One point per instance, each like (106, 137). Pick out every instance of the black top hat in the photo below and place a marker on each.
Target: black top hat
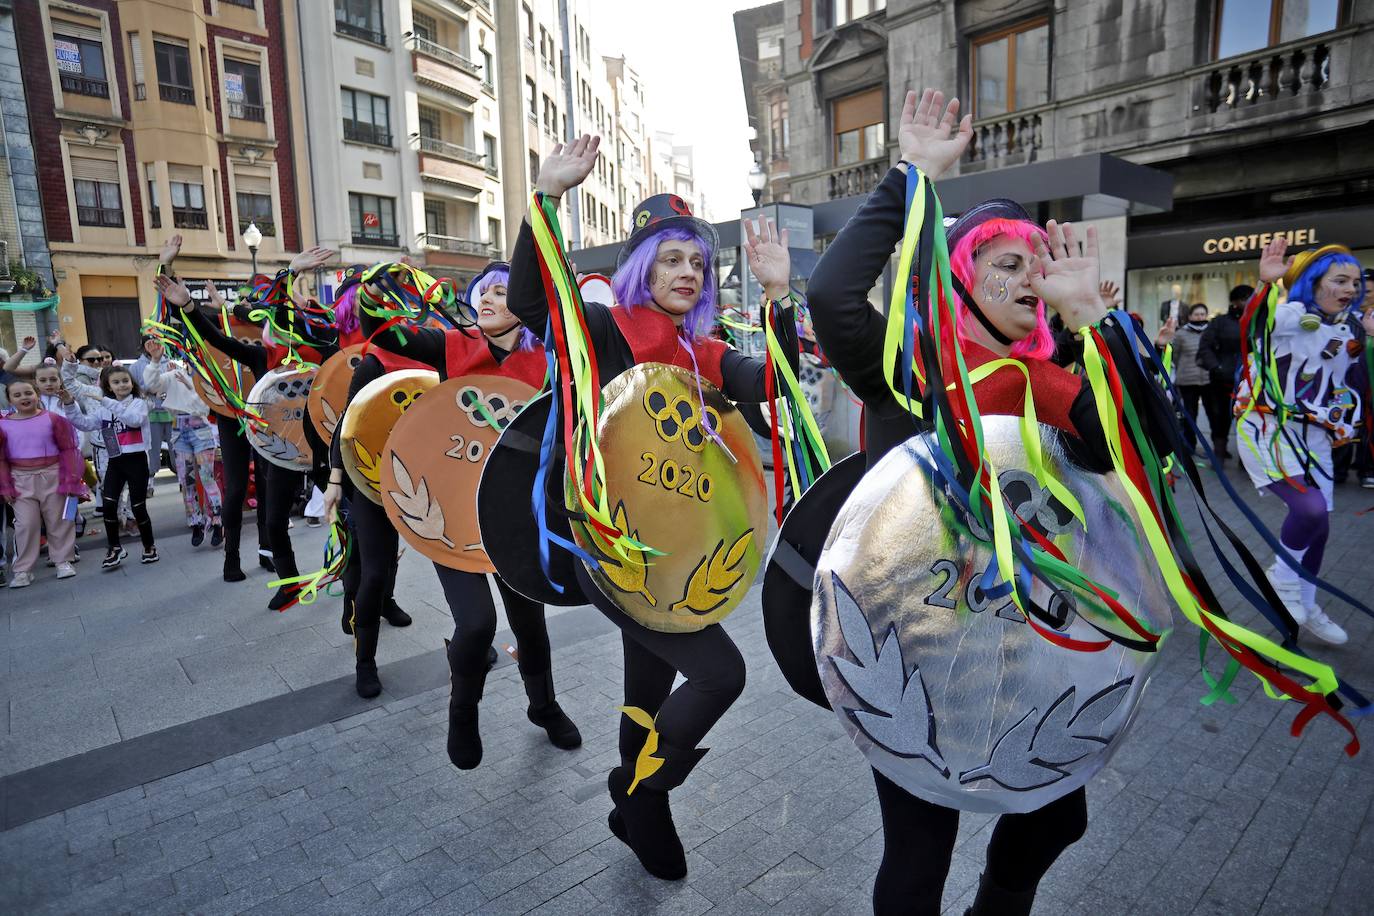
(471, 291)
(352, 276)
(664, 211)
(975, 216)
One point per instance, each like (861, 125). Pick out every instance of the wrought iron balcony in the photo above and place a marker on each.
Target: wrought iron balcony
(363, 132)
(265, 226)
(447, 55)
(186, 218)
(181, 95)
(374, 36)
(376, 240)
(246, 112)
(448, 150)
(84, 85)
(456, 245)
(100, 216)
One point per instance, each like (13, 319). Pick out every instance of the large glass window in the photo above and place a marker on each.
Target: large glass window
(373, 219)
(1011, 70)
(838, 12)
(1248, 25)
(360, 19)
(81, 65)
(859, 125)
(174, 72)
(188, 204)
(256, 208)
(366, 117)
(98, 203)
(778, 134)
(243, 90)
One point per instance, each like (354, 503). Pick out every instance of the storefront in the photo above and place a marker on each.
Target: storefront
(1204, 263)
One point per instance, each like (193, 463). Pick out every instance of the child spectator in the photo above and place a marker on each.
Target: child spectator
(40, 477)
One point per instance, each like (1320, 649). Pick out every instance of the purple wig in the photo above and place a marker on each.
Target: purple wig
(527, 340)
(346, 310)
(631, 281)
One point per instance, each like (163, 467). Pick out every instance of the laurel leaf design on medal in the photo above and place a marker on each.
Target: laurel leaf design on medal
(422, 515)
(710, 583)
(896, 713)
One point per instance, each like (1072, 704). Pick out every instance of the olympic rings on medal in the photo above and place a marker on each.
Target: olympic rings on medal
(487, 410)
(403, 399)
(1030, 502)
(678, 419)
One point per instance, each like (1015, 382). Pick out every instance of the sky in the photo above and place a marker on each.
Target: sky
(696, 93)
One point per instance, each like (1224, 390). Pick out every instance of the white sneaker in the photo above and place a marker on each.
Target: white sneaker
(65, 570)
(21, 580)
(1323, 627)
(1290, 593)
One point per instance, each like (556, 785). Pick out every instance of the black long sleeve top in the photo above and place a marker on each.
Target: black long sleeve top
(852, 332)
(744, 377)
(252, 356)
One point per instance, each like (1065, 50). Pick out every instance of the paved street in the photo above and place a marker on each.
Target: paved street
(1205, 810)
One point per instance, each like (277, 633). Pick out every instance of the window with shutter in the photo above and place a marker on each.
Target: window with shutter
(859, 124)
(95, 184)
(187, 187)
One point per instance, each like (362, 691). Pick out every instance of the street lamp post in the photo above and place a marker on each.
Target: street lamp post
(252, 237)
(757, 179)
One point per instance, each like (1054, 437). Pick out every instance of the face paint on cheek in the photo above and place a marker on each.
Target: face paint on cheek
(995, 287)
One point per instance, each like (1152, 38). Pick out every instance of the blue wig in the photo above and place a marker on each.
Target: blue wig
(1304, 290)
(631, 280)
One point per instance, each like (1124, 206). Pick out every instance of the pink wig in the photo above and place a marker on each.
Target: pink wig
(1039, 344)
(346, 310)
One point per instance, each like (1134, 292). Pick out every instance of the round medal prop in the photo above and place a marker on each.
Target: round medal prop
(790, 574)
(280, 398)
(241, 330)
(505, 511)
(329, 394)
(433, 461)
(942, 684)
(373, 413)
(678, 491)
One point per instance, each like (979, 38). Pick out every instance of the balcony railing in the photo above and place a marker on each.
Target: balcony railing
(1268, 76)
(377, 239)
(249, 4)
(362, 132)
(375, 36)
(448, 150)
(447, 55)
(265, 226)
(855, 178)
(100, 216)
(246, 112)
(492, 170)
(84, 85)
(1017, 134)
(456, 245)
(182, 95)
(186, 218)
(140, 91)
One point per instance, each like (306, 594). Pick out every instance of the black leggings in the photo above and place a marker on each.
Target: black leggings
(282, 487)
(131, 469)
(474, 623)
(918, 841)
(708, 659)
(236, 454)
(375, 544)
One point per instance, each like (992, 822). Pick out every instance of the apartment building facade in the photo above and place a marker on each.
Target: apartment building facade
(154, 118)
(404, 127)
(1262, 111)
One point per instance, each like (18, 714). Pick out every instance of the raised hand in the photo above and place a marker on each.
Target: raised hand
(155, 350)
(1066, 275)
(28, 343)
(174, 291)
(1166, 333)
(312, 258)
(170, 249)
(769, 260)
(567, 166)
(927, 134)
(1273, 265)
(213, 294)
(1110, 294)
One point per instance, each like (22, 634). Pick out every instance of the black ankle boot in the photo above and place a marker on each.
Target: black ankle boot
(545, 712)
(464, 739)
(265, 560)
(998, 901)
(392, 614)
(347, 621)
(643, 820)
(283, 597)
(232, 571)
(368, 684)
